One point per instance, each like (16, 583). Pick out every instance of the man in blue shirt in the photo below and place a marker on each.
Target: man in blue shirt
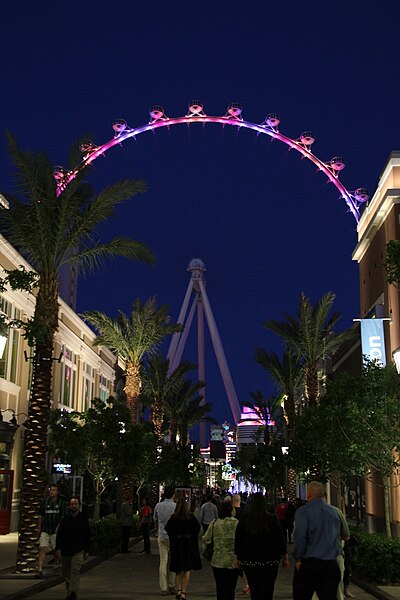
(317, 530)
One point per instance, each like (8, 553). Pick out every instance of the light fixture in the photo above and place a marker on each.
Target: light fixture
(3, 342)
(396, 358)
(13, 420)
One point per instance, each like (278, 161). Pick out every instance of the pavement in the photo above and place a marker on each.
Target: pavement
(135, 576)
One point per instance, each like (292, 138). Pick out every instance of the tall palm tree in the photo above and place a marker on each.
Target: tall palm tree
(310, 335)
(51, 230)
(184, 408)
(158, 386)
(287, 374)
(193, 411)
(133, 338)
(265, 409)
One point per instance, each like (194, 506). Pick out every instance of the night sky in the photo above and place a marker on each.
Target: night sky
(266, 224)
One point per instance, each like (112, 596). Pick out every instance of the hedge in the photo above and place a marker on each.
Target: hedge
(106, 533)
(378, 558)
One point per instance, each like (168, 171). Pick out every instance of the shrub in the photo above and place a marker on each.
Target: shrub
(378, 558)
(105, 534)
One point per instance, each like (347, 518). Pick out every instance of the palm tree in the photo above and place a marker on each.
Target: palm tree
(193, 411)
(52, 229)
(287, 374)
(310, 335)
(184, 408)
(133, 338)
(265, 409)
(158, 386)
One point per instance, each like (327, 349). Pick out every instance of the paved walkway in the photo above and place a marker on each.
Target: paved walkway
(135, 576)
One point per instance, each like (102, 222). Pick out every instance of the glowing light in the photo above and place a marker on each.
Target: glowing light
(233, 117)
(3, 342)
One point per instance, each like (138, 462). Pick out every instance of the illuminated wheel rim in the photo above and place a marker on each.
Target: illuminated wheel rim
(233, 118)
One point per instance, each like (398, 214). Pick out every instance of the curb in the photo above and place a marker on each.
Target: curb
(371, 589)
(40, 586)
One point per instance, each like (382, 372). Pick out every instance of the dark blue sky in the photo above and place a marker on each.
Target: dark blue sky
(266, 224)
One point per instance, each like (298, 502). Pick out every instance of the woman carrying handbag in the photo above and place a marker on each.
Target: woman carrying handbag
(223, 561)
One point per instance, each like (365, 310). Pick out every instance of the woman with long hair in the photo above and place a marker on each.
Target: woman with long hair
(224, 562)
(259, 547)
(183, 530)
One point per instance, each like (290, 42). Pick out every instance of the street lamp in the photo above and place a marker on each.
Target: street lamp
(13, 420)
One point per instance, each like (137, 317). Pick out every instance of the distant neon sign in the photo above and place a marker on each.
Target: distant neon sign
(63, 468)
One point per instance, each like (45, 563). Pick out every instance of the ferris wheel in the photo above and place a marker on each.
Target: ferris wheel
(234, 118)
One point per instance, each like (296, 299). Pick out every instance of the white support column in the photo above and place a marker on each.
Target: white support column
(183, 338)
(181, 319)
(220, 354)
(201, 361)
(197, 269)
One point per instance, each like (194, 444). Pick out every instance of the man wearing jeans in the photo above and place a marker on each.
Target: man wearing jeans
(73, 544)
(162, 513)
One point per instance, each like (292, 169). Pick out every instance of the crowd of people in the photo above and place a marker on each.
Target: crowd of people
(245, 538)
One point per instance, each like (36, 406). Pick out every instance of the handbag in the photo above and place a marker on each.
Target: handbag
(209, 549)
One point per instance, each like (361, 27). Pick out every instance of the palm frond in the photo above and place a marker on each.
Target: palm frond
(93, 257)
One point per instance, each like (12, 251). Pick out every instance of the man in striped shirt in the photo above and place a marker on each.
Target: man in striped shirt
(51, 513)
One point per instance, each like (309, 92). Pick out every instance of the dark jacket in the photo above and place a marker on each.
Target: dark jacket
(73, 535)
(263, 547)
(184, 545)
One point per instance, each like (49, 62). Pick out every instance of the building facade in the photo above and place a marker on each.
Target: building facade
(379, 224)
(81, 372)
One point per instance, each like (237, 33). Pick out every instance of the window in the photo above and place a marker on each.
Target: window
(66, 393)
(88, 386)
(9, 361)
(105, 389)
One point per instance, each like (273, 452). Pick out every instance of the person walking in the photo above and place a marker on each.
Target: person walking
(239, 514)
(281, 510)
(51, 512)
(73, 545)
(350, 555)
(317, 531)
(260, 547)
(162, 513)
(126, 525)
(344, 535)
(145, 522)
(240, 508)
(289, 518)
(183, 530)
(208, 512)
(224, 562)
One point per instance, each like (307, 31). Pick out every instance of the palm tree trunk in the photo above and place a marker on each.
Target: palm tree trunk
(290, 411)
(292, 484)
(311, 386)
(34, 477)
(132, 389)
(157, 419)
